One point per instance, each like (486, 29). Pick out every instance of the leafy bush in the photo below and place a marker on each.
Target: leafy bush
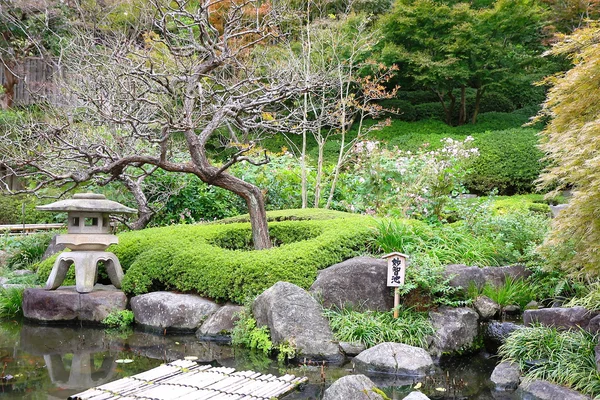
(399, 109)
(185, 258)
(371, 328)
(492, 102)
(509, 161)
(433, 110)
(23, 251)
(121, 319)
(565, 358)
(20, 209)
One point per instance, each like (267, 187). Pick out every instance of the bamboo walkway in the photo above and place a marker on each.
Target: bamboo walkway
(186, 380)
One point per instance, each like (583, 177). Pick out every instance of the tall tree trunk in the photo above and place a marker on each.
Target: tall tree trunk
(145, 213)
(450, 112)
(256, 206)
(462, 115)
(11, 81)
(478, 96)
(319, 177)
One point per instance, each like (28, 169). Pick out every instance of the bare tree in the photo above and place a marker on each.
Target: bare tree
(159, 99)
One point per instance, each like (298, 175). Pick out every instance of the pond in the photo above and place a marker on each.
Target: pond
(55, 362)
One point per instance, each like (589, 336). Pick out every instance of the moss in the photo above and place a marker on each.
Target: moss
(214, 260)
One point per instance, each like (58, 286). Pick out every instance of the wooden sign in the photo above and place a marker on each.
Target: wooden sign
(396, 268)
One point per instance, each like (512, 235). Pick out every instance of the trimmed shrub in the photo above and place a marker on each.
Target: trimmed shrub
(402, 109)
(492, 102)
(187, 257)
(430, 111)
(509, 161)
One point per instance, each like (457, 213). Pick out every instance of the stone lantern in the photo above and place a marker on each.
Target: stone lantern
(88, 237)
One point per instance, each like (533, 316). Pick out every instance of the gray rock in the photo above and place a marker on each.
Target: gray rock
(511, 309)
(594, 325)
(486, 307)
(66, 304)
(360, 282)
(22, 272)
(3, 280)
(53, 248)
(495, 334)
(543, 390)
(532, 305)
(294, 316)
(565, 318)
(166, 310)
(462, 276)
(352, 349)
(506, 376)
(220, 323)
(416, 395)
(456, 329)
(496, 276)
(557, 209)
(355, 387)
(3, 258)
(597, 354)
(395, 358)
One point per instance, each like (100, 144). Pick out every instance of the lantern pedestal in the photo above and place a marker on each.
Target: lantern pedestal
(86, 269)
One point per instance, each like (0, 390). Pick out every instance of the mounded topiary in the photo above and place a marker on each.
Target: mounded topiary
(215, 260)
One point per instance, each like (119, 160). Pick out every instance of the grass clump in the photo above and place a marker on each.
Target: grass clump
(513, 291)
(565, 358)
(589, 300)
(23, 251)
(11, 302)
(372, 327)
(212, 260)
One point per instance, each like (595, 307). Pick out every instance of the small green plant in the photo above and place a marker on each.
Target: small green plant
(562, 357)
(513, 291)
(591, 300)
(11, 302)
(27, 250)
(119, 319)
(372, 327)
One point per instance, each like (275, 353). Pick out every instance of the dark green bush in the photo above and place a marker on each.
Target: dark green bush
(509, 161)
(20, 209)
(492, 102)
(433, 110)
(418, 96)
(400, 109)
(185, 257)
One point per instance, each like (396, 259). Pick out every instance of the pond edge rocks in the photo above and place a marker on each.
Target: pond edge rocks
(395, 358)
(355, 387)
(294, 317)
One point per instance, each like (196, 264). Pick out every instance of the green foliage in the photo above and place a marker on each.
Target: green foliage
(371, 327)
(23, 251)
(513, 291)
(509, 161)
(245, 333)
(20, 209)
(565, 358)
(119, 319)
(570, 141)
(11, 302)
(590, 300)
(185, 257)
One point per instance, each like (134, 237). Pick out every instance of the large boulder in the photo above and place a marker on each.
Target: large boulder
(560, 317)
(416, 395)
(352, 349)
(594, 325)
(220, 324)
(461, 276)
(543, 390)
(486, 307)
(360, 282)
(294, 316)
(172, 311)
(506, 376)
(355, 387)
(65, 304)
(495, 334)
(456, 329)
(395, 358)
(496, 276)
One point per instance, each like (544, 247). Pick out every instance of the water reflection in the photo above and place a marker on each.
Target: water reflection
(54, 362)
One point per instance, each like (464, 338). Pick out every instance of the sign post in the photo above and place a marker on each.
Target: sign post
(396, 263)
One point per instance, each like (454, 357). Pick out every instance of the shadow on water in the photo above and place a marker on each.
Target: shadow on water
(54, 362)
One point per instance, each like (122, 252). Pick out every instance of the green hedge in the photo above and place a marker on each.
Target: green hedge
(190, 258)
(509, 161)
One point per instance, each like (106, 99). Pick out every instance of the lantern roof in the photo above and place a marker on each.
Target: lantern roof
(88, 202)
